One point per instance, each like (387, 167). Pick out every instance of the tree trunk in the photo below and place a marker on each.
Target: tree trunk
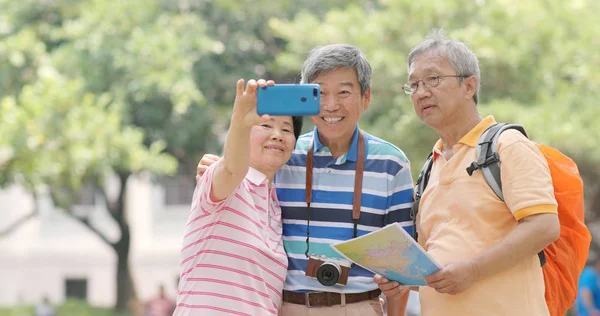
(124, 278)
(125, 285)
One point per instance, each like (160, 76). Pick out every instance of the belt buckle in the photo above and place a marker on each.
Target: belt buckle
(307, 299)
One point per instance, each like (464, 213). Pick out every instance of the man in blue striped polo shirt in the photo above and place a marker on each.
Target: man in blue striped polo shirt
(344, 76)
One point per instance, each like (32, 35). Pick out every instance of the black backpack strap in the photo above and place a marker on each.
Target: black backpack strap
(488, 161)
(419, 189)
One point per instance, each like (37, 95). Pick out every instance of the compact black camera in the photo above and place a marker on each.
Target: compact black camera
(328, 271)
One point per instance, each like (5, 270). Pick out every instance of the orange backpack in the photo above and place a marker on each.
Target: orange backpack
(563, 260)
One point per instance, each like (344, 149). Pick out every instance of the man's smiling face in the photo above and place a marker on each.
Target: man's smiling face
(342, 105)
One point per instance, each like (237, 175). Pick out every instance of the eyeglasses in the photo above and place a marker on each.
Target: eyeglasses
(431, 81)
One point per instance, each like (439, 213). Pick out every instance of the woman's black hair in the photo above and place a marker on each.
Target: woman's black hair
(297, 122)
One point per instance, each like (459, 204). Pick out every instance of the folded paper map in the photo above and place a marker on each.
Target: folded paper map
(390, 252)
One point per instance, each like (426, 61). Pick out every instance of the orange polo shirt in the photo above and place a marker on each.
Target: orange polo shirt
(460, 217)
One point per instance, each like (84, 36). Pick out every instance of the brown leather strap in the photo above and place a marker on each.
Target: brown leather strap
(358, 176)
(309, 168)
(327, 298)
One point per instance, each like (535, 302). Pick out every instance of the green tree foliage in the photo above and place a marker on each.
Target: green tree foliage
(245, 46)
(62, 136)
(143, 55)
(98, 88)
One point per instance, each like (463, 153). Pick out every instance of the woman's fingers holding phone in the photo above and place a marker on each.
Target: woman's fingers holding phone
(251, 87)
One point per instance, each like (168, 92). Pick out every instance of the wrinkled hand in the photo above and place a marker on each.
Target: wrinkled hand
(244, 107)
(454, 278)
(391, 289)
(206, 161)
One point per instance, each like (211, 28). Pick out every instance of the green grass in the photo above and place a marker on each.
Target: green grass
(69, 308)
(79, 308)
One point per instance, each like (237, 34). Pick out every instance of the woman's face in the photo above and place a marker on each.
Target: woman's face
(271, 143)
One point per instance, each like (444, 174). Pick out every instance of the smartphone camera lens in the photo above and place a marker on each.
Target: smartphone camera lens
(315, 92)
(303, 99)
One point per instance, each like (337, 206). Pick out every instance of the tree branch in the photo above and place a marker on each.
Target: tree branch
(87, 223)
(109, 204)
(66, 206)
(18, 223)
(117, 209)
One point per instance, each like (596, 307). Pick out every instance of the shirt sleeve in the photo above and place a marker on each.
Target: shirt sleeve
(202, 200)
(526, 181)
(400, 198)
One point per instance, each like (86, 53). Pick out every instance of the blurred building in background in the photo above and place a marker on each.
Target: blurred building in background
(54, 255)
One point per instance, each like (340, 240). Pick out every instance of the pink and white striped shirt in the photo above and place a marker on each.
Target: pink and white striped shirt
(232, 257)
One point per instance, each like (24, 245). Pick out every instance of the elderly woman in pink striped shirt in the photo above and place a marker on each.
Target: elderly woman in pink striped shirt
(232, 258)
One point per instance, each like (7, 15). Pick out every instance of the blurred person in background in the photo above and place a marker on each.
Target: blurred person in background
(45, 308)
(161, 305)
(588, 296)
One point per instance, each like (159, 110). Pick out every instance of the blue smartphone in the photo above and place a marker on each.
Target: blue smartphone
(289, 99)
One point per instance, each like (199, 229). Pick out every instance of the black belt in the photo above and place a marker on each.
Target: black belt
(327, 298)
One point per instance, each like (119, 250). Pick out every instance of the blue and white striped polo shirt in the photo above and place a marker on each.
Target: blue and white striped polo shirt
(386, 198)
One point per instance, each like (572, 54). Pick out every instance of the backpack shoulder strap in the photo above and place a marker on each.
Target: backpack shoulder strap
(488, 159)
(419, 188)
(424, 175)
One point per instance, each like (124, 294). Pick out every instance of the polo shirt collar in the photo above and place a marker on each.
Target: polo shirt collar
(352, 151)
(255, 176)
(471, 138)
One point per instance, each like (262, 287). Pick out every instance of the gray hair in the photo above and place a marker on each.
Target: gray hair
(324, 59)
(460, 57)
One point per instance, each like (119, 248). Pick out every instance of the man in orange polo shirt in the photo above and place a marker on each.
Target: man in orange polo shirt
(487, 248)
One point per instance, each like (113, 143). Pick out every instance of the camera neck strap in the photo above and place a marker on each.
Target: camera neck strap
(358, 179)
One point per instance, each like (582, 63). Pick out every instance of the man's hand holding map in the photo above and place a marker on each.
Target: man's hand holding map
(392, 253)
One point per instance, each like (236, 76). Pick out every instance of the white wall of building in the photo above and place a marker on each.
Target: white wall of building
(36, 259)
